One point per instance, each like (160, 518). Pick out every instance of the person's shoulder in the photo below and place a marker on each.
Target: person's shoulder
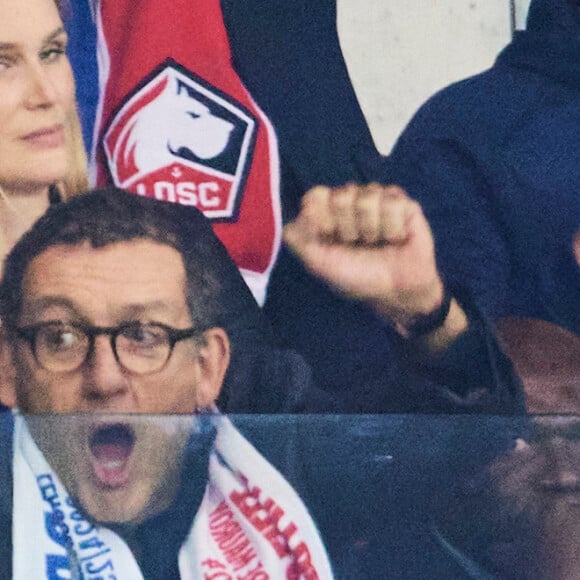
(486, 105)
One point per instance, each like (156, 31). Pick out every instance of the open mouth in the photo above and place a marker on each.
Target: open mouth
(111, 447)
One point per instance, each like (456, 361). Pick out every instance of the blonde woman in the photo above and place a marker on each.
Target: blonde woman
(42, 159)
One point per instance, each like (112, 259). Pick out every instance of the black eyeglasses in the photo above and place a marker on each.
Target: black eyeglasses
(140, 348)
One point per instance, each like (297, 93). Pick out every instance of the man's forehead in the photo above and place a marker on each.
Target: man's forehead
(133, 277)
(36, 307)
(112, 255)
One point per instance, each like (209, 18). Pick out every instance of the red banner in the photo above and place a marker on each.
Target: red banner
(177, 124)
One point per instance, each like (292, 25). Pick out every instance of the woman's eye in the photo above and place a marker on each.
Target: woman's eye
(53, 53)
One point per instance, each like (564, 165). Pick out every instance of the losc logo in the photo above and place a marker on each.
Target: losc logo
(179, 139)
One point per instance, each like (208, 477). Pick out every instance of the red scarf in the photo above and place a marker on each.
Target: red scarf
(176, 123)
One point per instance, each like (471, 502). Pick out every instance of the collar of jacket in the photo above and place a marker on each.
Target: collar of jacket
(550, 45)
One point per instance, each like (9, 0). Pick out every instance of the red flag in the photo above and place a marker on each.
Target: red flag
(176, 123)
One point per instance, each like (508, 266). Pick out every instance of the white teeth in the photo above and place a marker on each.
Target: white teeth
(113, 464)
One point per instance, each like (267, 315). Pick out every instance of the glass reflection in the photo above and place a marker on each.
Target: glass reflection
(390, 496)
(519, 516)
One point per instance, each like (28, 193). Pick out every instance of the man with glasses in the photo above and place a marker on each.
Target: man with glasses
(117, 304)
(115, 308)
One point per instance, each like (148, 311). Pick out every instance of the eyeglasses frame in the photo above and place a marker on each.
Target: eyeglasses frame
(29, 334)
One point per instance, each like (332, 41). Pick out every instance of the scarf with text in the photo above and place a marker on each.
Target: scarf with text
(251, 523)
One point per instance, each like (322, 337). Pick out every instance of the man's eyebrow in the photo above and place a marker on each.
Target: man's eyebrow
(155, 306)
(33, 311)
(38, 306)
(7, 46)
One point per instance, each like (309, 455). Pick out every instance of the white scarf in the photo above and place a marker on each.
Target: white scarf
(250, 524)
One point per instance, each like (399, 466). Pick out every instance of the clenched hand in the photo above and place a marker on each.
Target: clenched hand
(371, 243)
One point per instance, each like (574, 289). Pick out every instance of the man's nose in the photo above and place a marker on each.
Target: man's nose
(104, 378)
(42, 92)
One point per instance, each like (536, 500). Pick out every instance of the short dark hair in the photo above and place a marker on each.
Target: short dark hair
(216, 292)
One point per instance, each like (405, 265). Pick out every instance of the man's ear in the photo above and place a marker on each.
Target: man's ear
(7, 372)
(213, 360)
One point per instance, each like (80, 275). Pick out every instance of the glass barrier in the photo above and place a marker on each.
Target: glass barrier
(256, 497)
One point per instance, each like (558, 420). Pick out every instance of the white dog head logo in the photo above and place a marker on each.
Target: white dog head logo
(180, 138)
(171, 125)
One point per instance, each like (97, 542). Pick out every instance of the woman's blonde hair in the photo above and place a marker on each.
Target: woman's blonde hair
(76, 179)
(74, 182)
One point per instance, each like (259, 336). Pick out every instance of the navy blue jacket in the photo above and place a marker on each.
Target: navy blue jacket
(495, 162)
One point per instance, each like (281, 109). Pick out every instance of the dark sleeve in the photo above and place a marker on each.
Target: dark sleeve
(288, 55)
(363, 363)
(472, 375)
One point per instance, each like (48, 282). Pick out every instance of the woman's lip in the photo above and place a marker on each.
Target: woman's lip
(49, 137)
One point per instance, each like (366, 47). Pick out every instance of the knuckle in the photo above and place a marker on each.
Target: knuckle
(367, 206)
(342, 199)
(395, 191)
(415, 208)
(315, 195)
